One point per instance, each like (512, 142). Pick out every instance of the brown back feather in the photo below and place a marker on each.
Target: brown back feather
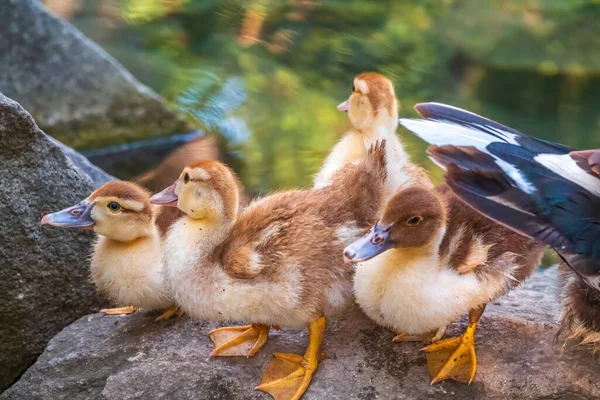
(299, 227)
(461, 217)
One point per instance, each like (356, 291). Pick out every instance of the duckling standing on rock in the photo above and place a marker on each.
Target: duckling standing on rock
(542, 189)
(126, 262)
(437, 260)
(373, 112)
(277, 262)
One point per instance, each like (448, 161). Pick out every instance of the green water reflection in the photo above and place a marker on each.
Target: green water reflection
(267, 74)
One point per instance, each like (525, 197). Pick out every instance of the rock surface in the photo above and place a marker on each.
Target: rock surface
(131, 357)
(97, 175)
(75, 91)
(44, 277)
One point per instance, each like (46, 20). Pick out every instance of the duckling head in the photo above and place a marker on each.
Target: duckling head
(118, 210)
(206, 190)
(412, 219)
(372, 102)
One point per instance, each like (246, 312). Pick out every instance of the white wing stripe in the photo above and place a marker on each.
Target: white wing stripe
(515, 175)
(447, 133)
(564, 166)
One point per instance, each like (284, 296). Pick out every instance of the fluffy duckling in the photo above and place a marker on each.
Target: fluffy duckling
(437, 260)
(373, 112)
(542, 189)
(126, 262)
(278, 262)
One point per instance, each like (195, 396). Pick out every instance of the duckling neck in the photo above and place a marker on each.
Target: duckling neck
(380, 129)
(215, 228)
(148, 238)
(427, 256)
(198, 237)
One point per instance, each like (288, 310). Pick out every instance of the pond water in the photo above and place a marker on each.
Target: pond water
(266, 75)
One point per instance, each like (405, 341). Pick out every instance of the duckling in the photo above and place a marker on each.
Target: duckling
(428, 261)
(278, 262)
(126, 262)
(373, 112)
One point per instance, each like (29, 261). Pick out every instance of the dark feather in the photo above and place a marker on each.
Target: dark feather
(465, 157)
(489, 194)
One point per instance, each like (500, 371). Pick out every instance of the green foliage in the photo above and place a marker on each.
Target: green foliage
(532, 64)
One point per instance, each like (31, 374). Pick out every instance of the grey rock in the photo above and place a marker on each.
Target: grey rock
(44, 278)
(97, 175)
(76, 92)
(131, 357)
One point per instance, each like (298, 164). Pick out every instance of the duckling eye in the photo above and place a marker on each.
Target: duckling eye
(186, 178)
(414, 221)
(353, 89)
(113, 206)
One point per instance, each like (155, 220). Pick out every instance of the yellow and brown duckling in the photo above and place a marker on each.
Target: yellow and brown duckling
(373, 112)
(126, 262)
(429, 260)
(278, 262)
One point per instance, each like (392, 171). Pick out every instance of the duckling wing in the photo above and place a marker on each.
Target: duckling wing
(257, 233)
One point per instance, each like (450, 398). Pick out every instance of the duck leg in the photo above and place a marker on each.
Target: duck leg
(287, 377)
(455, 358)
(231, 341)
(432, 336)
(119, 311)
(170, 312)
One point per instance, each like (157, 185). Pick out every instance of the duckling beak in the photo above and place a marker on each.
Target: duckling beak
(343, 106)
(372, 244)
(77, 216)
(167, 197)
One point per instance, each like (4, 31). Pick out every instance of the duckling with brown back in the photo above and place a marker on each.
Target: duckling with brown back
(278, 262)
(429, 260)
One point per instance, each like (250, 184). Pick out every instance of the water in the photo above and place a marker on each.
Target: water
(267, 74)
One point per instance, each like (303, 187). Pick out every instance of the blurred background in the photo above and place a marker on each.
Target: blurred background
(265, 75)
